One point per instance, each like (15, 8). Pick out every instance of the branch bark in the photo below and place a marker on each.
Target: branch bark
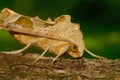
(17, 67)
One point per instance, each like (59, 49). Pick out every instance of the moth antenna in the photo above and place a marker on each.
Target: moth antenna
(94, 55)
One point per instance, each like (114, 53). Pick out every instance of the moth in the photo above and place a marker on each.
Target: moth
(59, 36)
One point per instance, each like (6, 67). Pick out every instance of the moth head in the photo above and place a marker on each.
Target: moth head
(75, 51)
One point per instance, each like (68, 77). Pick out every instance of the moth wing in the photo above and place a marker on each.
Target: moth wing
(63, 18)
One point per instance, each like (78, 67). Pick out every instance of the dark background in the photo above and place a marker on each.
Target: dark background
(99, 21)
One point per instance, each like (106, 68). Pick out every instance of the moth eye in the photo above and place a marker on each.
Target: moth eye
(74, 48)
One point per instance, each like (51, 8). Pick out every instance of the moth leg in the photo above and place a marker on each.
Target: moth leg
(56, 58)
(41, 55)
(17, 51)
(61, 52)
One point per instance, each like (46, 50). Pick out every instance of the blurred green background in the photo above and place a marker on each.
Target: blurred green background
(99, 21)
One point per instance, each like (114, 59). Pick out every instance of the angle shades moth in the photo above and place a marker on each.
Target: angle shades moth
(58, 36)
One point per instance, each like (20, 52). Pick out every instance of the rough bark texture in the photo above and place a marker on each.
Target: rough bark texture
(17, 67)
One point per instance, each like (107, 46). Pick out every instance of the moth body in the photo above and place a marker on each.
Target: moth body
(60, 35)
(43, 43)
